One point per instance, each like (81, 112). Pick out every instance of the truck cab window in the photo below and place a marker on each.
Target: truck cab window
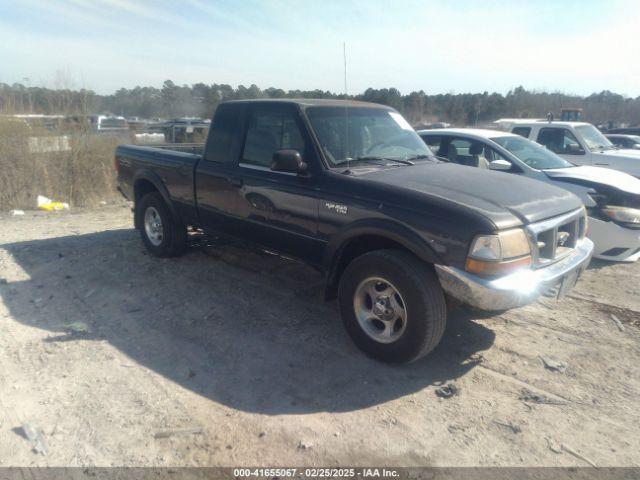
(269, 132)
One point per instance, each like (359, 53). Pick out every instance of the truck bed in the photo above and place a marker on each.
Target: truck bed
(170, 166)
(195, 148)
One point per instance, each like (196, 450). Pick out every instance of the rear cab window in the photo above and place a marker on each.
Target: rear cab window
(522, 131)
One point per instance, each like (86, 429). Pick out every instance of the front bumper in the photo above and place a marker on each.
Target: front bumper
(613, 242)
(518, 288)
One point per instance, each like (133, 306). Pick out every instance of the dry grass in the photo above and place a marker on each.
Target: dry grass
(81, 175)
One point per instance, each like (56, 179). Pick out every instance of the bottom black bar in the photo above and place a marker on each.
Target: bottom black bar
(427, 473)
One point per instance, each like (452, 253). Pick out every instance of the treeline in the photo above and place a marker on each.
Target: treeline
(418, 107)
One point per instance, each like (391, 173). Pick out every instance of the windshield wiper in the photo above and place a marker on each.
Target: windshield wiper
(374, 160)
(384, 159)
(421, 156)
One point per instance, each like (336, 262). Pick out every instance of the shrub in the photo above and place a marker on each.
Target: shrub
(74, 167)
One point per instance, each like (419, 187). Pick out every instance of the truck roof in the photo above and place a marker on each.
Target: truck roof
(470, 132)
(313, 102)
(537, 121)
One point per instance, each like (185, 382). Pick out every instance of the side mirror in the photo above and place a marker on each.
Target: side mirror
(574, 149)
(636, 146)
(289, 161)
(500, 165)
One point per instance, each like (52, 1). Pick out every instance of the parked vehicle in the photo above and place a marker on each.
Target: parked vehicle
(182, 130)
(612, 198)
(578, 142)
(100, 124)
(349, 188)
(109, 124)
(624, 141)
(625, 130)
(571, 114)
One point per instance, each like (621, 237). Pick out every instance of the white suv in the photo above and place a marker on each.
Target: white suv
(578, 142)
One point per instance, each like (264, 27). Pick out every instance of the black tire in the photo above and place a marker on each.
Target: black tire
(420, 291)
(173, 240)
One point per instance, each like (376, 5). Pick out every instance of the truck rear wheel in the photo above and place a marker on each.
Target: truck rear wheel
(161, 234)
(392, 306)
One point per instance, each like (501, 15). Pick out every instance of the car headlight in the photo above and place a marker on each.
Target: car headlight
(623, 214)
(499, 253)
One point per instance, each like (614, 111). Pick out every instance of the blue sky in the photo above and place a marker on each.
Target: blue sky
(437, 46)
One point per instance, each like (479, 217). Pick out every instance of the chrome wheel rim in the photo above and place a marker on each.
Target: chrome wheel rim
(380, 310)
(153, 226)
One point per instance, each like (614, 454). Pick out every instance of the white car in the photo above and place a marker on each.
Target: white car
(578, 142)
(612, 198)
(621, 140)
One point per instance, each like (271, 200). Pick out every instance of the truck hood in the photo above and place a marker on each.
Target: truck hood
(621, 153)
(507, 200)
(594, 176)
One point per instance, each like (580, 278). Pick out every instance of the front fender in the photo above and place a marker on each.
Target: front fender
(385, 229)
(581, 191)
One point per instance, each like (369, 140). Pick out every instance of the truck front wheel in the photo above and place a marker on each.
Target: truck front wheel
(161, 234)
(392, 305)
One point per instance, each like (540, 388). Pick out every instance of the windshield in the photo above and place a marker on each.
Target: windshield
(531, 153)
(369, 135)
(593, 138)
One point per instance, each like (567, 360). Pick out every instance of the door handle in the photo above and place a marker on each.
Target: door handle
(236, 182)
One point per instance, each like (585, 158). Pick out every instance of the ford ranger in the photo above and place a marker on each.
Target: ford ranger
(350, 189)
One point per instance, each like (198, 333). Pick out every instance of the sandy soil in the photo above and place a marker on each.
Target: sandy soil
(106, 350)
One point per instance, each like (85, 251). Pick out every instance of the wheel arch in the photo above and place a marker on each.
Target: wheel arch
(146, 182)
(365, 237)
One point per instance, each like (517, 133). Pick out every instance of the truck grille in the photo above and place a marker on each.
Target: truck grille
(557, 237)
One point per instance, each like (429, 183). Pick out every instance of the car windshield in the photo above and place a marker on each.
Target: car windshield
(593, 138)
(531, 153)
(351, 135)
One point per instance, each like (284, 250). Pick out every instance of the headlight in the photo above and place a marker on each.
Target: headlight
(501, 246)
(500, 253)
(623, 214)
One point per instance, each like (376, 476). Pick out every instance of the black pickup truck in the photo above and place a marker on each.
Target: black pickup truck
(349, 188)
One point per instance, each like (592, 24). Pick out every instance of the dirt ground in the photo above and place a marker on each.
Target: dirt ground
(106, 350)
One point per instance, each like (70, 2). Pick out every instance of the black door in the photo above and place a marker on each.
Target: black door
(279, 209)
(217, 181)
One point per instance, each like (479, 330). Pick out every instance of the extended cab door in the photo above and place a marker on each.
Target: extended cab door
(279, 209)
(217, 180)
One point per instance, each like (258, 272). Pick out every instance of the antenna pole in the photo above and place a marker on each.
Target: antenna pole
(344, 55)
(346, 108)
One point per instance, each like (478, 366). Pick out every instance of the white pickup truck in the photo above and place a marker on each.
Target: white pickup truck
(577, 142)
